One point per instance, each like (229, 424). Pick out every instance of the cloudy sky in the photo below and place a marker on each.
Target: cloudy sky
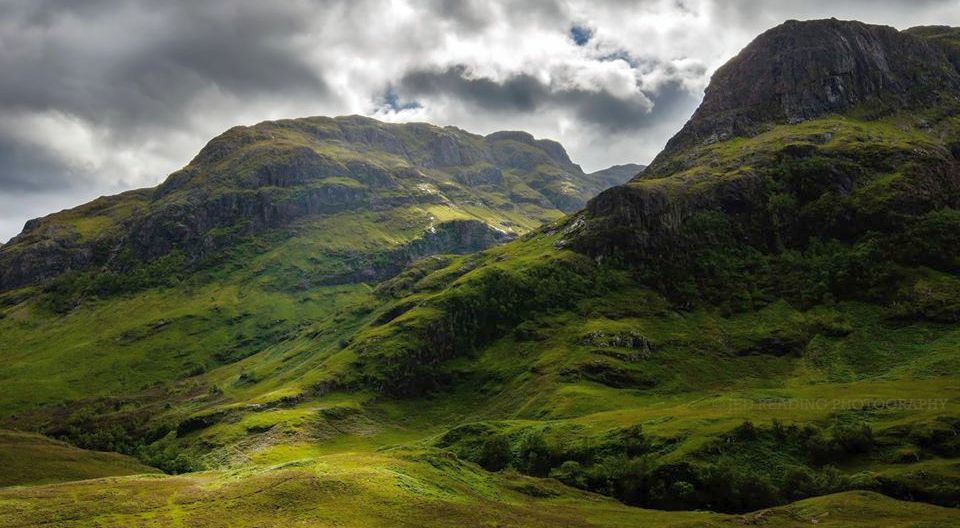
(99, 96)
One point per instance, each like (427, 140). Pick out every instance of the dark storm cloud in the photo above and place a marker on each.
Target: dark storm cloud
(475, 15)
(128, 74)
(470, 15)
(522, 93)
(26, 170)
(671, 102)
(158, 56)
(526, 93)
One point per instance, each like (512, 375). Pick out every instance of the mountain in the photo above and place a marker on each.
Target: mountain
(454, 190)
(798, 71)
(272, 232)
(618, 174)
(763, 320)
(837, 135)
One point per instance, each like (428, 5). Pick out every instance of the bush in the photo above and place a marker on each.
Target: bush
(164, 455)
(854, 439)
(534, 456)
(495, 453)
(933, 240)
(800, 483)
(633, 441)
(732, 488)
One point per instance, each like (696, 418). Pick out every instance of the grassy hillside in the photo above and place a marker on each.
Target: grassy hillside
(29, 459)
(406, 489)
(272, 230)
(617, 390)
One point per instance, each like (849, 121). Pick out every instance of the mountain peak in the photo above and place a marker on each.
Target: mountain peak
(801, 70)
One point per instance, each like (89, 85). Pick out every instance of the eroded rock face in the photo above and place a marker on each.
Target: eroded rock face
(643, 221)
(456, 237)
(483, 176)
(57, 253)
(801, 70)
(185, 225)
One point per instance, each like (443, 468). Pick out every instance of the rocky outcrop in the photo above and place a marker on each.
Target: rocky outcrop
(945, 37)
(800, 70)
(456, 237)
(57, 253)
(640, 221)
(488, 175)
(187, 225)
(519, 150)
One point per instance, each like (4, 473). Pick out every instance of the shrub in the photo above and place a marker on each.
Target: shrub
(800, 483)
(534, 456)
(854, 439)
(164, 455)
(633, 441)
(933, 240)
(495, 453)
(732, 488)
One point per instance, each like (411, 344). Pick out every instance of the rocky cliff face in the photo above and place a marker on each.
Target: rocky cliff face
(266, 177)
(802, 70)
(945, 37)
(816, 129)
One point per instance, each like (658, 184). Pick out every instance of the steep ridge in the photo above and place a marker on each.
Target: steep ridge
(618, 174)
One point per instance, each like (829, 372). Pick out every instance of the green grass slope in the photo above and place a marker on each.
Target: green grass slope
(748, 322)
(29, 459)
(273, 231)
(410, 489)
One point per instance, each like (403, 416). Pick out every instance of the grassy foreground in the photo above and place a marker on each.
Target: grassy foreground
(398, 489)
(29, 459)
